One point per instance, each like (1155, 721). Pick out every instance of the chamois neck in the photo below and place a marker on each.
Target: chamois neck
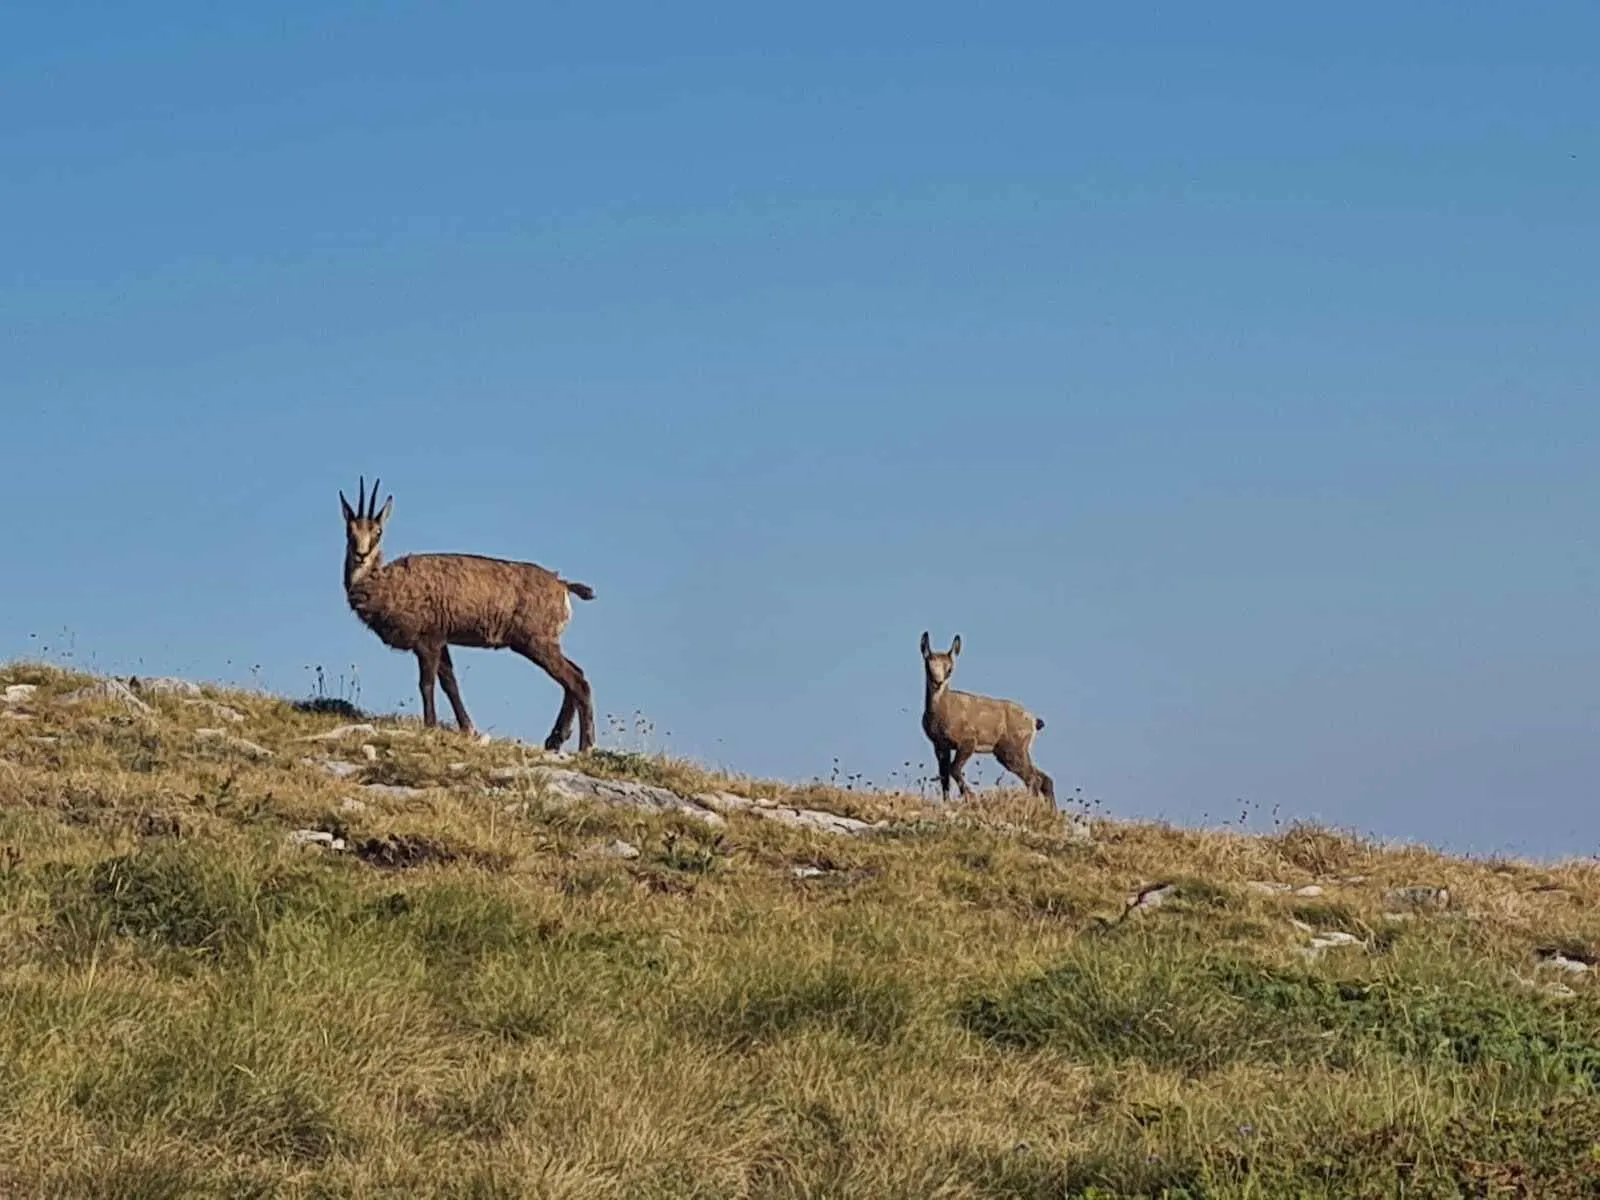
(932, 692)
(359, 570)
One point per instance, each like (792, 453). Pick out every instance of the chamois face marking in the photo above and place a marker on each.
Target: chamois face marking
(363, 529)
(940, 665)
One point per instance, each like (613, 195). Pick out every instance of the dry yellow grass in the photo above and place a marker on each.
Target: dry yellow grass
(959, 1006)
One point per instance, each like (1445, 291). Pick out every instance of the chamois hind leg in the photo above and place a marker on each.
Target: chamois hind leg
(548, 657)
(427, 672)
(447, 677)
(1017, 760)
(958, 770)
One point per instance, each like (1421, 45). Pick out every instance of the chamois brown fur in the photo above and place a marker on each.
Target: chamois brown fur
(961, 724)
(426, 603)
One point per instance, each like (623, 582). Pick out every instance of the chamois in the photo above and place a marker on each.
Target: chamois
(960, 724)
(427, 603)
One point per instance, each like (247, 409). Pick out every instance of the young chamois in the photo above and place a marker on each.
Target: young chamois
(960, 724)
(427, 603)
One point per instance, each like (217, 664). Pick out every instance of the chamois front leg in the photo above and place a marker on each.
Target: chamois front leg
(447, 677)
(958, 770)
(942, 755)
(427, 672)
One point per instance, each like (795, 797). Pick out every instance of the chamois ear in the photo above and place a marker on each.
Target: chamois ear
(925, 648)
(388, 507)
(349, 513)
(955, 646)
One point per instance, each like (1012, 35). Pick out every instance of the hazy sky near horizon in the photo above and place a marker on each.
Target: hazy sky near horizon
(1224, 375)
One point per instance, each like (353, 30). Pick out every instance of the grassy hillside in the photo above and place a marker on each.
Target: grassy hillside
(481, 995)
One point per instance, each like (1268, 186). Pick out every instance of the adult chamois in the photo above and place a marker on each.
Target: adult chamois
(426, 603)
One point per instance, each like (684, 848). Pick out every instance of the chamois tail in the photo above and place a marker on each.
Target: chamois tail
(581, 590)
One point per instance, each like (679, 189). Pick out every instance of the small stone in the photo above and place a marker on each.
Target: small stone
(369, 752)
(621, 849)
(1399, 916)
(1303, 927)
(808, 872)
(352, 806)
(1309, 891)
(20, 693)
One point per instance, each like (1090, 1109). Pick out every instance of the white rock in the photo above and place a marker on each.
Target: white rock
(797, 818)
(808, 872)
(20, 693)
(165, 685)
(1418, 897)
(369, 752)
(219, 711)
(1308, 891)
(333, 766)
(341, 731)
(1561, 962)
(315, 837)
(351, 805)
(727, 802)
(393, 791)
(1334, 937)
(564, 786)
(243, 745)
(110, 689)
(620, 849)
(1153, 896)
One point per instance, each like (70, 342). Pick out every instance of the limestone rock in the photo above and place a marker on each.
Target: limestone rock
(165, 685)
(242, 745)
(564, 786)
(798, 818)
(113, 690)
(218, 710)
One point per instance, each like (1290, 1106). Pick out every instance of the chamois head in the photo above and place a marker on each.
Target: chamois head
(363, 526)
(939, 667)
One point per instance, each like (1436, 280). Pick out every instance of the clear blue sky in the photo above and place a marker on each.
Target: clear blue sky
(1224, 375)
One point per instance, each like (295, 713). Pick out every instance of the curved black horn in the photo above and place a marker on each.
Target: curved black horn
(373, 504)
(361, 498)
